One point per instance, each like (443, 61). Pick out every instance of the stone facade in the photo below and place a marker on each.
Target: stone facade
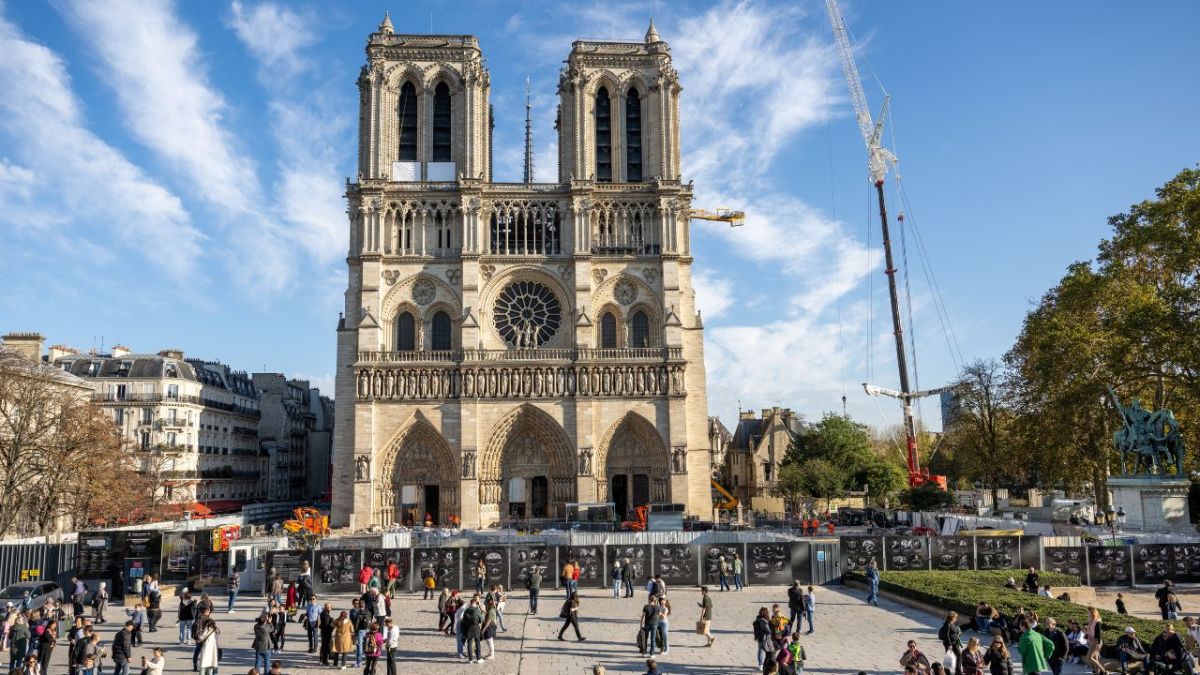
(507, 349)
(753, 456)
(284, 432)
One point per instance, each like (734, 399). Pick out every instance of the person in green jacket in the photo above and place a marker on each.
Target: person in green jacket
(1035, 650)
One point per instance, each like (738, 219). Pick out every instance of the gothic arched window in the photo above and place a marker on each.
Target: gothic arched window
(441, 123)
(633, 136)
(640, 330)
(406, 333)
(440, 332)
(608, 331)
(603, 137)
(407, 111)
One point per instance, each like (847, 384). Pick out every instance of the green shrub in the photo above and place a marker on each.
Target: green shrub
(962, 591)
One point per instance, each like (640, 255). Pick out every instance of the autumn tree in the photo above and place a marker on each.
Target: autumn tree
(982, 434)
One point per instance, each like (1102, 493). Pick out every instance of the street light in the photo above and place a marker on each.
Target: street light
(1110, 514)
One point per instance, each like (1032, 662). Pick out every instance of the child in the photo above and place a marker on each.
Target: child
(89, 666)
(138, 616)
(1121, 604)
(1172, 607)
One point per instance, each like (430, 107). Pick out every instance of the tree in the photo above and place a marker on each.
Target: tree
(883, 479)
(982, 434)
(927, 497)
(790, 485)
(846, 445)
(821, 479)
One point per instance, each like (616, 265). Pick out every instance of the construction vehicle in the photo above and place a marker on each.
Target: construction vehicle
(308, 521)
(730, 503)
(638, 524)
(879, 159)
(734, 218)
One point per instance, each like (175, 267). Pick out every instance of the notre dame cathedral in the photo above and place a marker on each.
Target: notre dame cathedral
(510, 348)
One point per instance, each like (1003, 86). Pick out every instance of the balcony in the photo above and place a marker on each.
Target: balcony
(168, 423)
(457, 356)
(113, 397)
(244, 431)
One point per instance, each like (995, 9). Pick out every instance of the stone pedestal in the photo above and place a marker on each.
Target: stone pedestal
(1153, 503)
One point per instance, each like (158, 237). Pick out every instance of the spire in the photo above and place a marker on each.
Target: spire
(385, 26)
(528, 137)
(652, 34)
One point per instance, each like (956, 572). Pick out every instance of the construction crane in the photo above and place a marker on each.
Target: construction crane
(879, 159)
(734, 218)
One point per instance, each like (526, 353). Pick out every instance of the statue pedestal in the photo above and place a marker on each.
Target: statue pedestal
(1153, 503)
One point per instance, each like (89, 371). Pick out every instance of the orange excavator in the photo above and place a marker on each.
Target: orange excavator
(638, 524)
(730, 503)
(308, 521)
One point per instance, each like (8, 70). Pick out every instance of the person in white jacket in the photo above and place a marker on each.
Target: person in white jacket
(155, 664)
(210, 648)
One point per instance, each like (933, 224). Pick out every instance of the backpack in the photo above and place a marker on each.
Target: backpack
(943, 634)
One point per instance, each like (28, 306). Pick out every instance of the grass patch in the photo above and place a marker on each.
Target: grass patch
(961, 591)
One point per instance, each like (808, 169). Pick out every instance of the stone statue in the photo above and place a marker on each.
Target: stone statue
(679, 459)
(362, 468)
(585, 462)
(1152, 438)
(468, 469)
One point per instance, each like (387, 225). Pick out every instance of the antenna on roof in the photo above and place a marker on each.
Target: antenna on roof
(528, 137)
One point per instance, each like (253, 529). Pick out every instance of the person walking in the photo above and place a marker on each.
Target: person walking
(951, 636)
(18, 642)
(1059, 639)
(873, 582)
(762, 635)
(430, 584)
(469, 626)
(364, 577)
(616, 580)
(343, 640)
(480, 576)
(391, 642)
(138, 618)
(649, 626)
(723, 573)
(534, 584)
(501, 602)
(235, 582)
(46, 643)
(372, 648)
(490, 619)
(664, 623)
(393, 577)
(570, 616)
(738, 569)
(262, 642)
(628, 576)
(312, 623)
(1095, 641)
(204, 613)
(972, 658)
(795, 596)
(997, 658)
(79, 593)
(1035, 649)
(810, 606)
(100, 602)
(361, 618)
(210, 648)
(154, 609)
(279, 621)
(184, 617)
(706, 613)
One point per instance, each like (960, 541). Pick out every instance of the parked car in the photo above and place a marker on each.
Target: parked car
(39, 591)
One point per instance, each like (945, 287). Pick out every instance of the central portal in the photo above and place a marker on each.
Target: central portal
(528, 467)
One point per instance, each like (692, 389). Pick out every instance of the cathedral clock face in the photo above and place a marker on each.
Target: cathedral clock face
(527, 314)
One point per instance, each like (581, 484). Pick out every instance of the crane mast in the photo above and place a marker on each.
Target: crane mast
(878, 160)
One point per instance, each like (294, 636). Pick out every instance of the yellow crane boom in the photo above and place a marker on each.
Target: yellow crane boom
(734, 218)
(730, 502)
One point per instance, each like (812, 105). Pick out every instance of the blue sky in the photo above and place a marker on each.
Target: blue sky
(171, 173)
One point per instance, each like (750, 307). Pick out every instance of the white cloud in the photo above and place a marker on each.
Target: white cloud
(714, 293)
(94, 190)
(274, 34)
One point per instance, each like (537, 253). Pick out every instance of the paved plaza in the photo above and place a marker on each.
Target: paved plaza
(851, 636)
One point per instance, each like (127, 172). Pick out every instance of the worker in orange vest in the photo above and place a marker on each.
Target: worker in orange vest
(831, 528)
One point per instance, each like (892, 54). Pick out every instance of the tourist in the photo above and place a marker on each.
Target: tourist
(873, 582)
(737, 571)
(262, 642)
(1095, 641)
(1121, 604)
(442, 600)
(628, 576)
(364, 575)
(795, 596)
(488, 630)
(1172, 607)
(664, 624)
(1167, 651)
(378, 605)
(32, 667)
(762, 635)
(1061, 647)
(291, 599)
(343, 639)
(154, 609)
(100, 602)
(480, 576)
(1031, 580)
(783, 657)
(533, 583)
(1011, 584)
(951, 636)
(501, 602)
(429, 582)
(460, 607)
(469, 626)
(982, 621)
(1193, 630)
(1130, 649)
(914, 658)
(46, 642)
(810, 606)
(1045, 592)
(326, 624)
(1167, 588)
(971, 661)
(278, 622)
(232, 586)
(18, 641)
(652, 667)
(78, 594)
(657, 587)
(184, 617)
(361, 619)
(391, 642)
(197, 630)
(567, 575)
(616, 580)
(997, 659)
(393, 576)
(312, 622)
(305, 581)
(138, 617)
(779, 624)
(706, 612)
(1077, 643)
(372, 645)
(798, 655)
(723, 573)
(570, 616)
(210, 648)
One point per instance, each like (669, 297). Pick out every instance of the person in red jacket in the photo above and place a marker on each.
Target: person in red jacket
(364, 577)
(393, 575)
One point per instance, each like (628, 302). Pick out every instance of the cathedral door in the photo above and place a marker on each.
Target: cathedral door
(619, 487)
(539, 496)
(641, 489)
(432, 501)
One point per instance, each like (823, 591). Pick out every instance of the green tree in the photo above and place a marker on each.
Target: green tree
(927, 497)
(790, 485)
(982, 435)
(821, 479)
(844, 444)
(882, 479)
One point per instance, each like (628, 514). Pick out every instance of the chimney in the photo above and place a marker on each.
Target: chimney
(28, 345)
(745, 415)
(172, 353)
(59, 351)
(119, 350)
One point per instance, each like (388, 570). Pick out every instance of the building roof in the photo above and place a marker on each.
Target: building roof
(39, 369)
(221, 376)
(749, 426)
(139, 366)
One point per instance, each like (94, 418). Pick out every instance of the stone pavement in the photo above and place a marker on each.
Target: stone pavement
(851, 636)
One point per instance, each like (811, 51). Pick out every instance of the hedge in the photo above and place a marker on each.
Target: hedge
(962, 591)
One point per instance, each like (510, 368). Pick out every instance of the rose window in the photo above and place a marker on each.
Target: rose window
(527, 314)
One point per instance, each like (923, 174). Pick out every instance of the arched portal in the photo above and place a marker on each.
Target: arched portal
(633, 466)
(417, 477)
(527, 469)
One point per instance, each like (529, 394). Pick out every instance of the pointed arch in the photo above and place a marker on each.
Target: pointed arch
(406, 112)
(633, 447)
(603, 125)
(417, 455)
(633, 136)
(639, 330)
(443, 123)
(608, 330)
(527, 443)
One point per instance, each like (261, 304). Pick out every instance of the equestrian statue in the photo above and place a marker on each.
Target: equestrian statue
(1151, 438)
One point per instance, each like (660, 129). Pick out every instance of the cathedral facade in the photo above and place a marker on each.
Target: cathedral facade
(510, 348)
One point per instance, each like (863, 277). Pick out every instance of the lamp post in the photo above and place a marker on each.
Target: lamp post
(1110, 515)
